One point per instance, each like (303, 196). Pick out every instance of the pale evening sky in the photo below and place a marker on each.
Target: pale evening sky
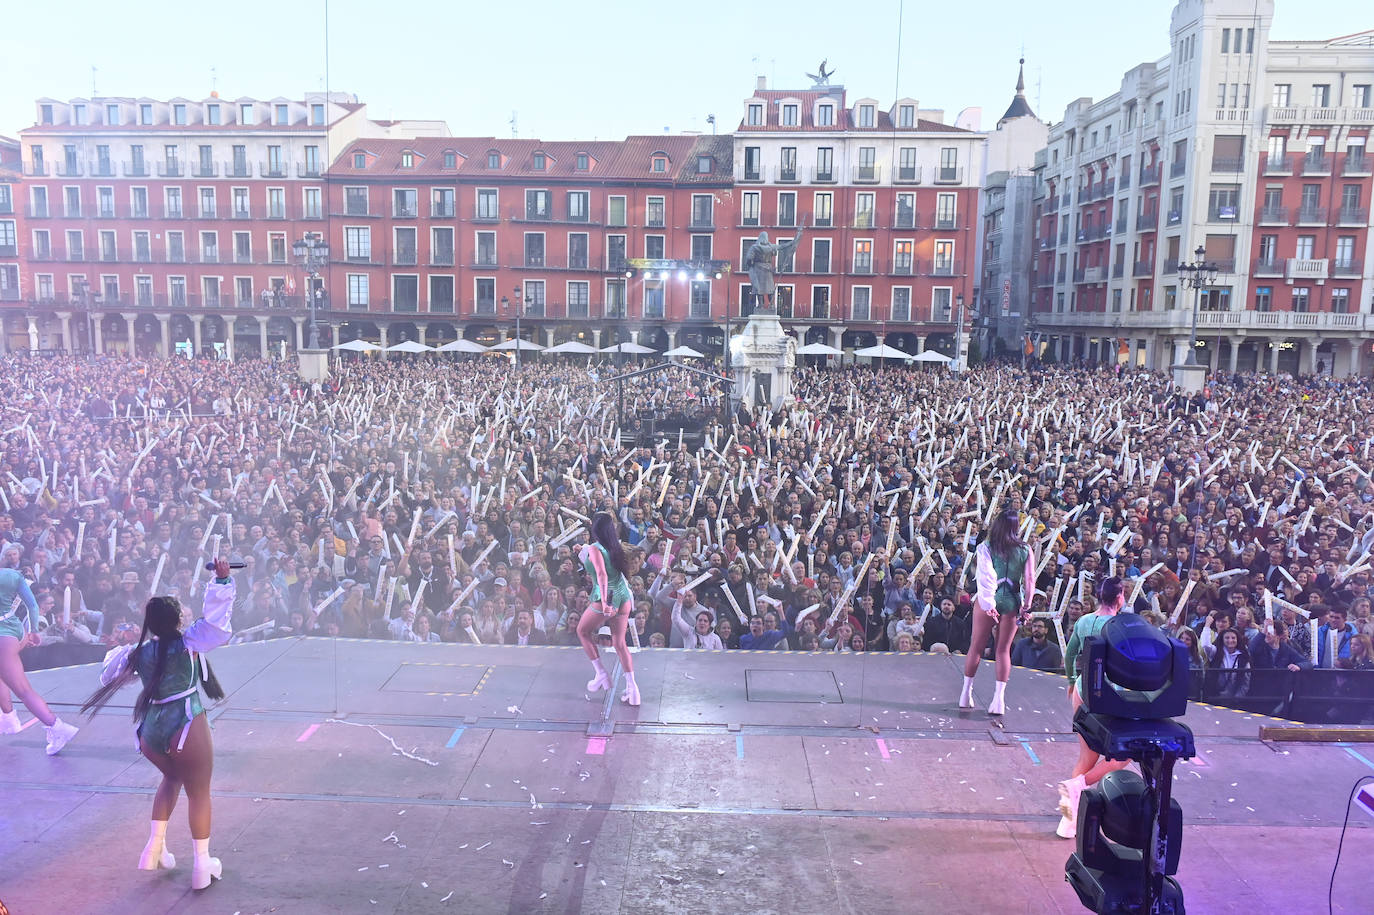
(571, 73)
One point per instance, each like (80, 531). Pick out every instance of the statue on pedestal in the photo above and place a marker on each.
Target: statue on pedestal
(761, 261)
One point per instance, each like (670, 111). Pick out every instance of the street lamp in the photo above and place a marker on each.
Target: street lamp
(520, 304)
(1196, 276)
(312, 253)
(959, 336)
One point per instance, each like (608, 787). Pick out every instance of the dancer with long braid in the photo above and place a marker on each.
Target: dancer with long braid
(1006, 585)
(170, 721)
(609, 567)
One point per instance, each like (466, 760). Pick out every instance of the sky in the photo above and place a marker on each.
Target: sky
(566, 72)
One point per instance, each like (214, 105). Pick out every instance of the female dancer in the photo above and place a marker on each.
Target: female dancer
(171, 726)
(17, 632)
(1090, 768)
(611, 604)
(1006, 586)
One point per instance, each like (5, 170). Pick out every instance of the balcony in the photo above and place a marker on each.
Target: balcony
(1225, 265)
(411, 211)
(36, 212)
(1222, 214)
(1118, 270)
(106, 212)
(1316, 164)
(1312, 216)
(901, 266)
(907, 174)
(441, 257)
(1178, 169)
(204, 170)
(1170, 266)
(1276, 164)
(1125, 180)
(1052, 203)
(486, 261)
(1353, 216)
(243, 257)
(1269, 266)
(138, 211)
(237, 169)
(701, 222)
(441, 211)
(69, 169)
(1147, 221)
(9, 250)
(173, 213)
(1302, 114)
(823, 176)
(946, 174)
(170, 170)
(1060, 276)
(1347, 268)
(1150, 174)
(867, 174)
(1357, 166)
(1228, 164)
(1064, 235)
(310, 170)
(1180, 319)
(945, 267)
(241, 213)
(355, 209)
(534, 261)
(752, 175)
(36, 170)
(1142, 269)
(1273, 216)
(1173, 217)
(784, 175)
(403, 257)
(484, 307)
(1304, 269)
(1120, 226)
(904, 220)
(136, 170)
(861, 266)
(209, 256)
(206, 213)
(271, 170)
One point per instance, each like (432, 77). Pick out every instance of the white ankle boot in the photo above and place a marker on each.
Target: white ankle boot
(204, 868)
(9, 722)
(59, 735)
(966, 694)
(155, 853)
(601, 681)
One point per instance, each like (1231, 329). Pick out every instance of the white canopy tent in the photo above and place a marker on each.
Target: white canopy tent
(684, 352)
(818, 349)
(462, 346)
(882, 351)
(512, 345)
(410, 346)
(357, 346)
(572, 348)
(638, 349)
(931, 355)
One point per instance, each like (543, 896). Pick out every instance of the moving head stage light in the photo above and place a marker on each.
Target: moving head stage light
(1130, 829)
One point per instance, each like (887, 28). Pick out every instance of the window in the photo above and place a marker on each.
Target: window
(486, 249)
(820, 302)
(699, 299)
(358, 243)
(79, 115)
(901, 303)
(179, 115)
(405, 203)
(108, 251)
(789, 116)
(906, 116)
(944, 258)
(653, 212)
(615, 211)
(1345, 252)
(654, 246)
(615, 252)
(1321, 95)
(579, 206)
(487, 206)
(407, 159)
(246, 114)
(276, 247)
(1360, 96)
(703, 165)
(863, 255)
(441, 205)
(493, 159)
(317, 115)
(787, 208)
(212, 114)
(104, 201)
(534, 249)
(946, 215)
(949, 164)
(1340, 301)
(145, 115)
(1223, 201)
(868, 171)
(1282, 94)
(207, 203)
(659, 164)
(754, 115)
(941, 300)
(866, 118)
(538, 161)
(355, 201)
(112, 115)
(906, 168)
(825, 116)
(749, 215)
(209, 247)
(752, 168)
(360, 160)
(1302, 297)
(582, 162)
(1264, 298)
(703, 207)
(788, 169)
(825, 164)
(823, 209)
(143, 290)
(357, 290)
(1226, 41)
(282, 115)
(901, 257)
(207, 161)
(404, 251)
(577, 251)
(311, 203)
(243, 291)
(701, 247)
(405, 292)
(441, 294)
(42, 242)
(485, 291)
(76, 245)
(243, 248)
(905, 216)
(240, 202)
(820, 255)
(1303, 249)
(450, 160)
(863, 210)
(1268, 249)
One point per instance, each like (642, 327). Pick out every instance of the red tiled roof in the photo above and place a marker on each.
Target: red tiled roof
(721, 151)
(629, 158)
(844, 115)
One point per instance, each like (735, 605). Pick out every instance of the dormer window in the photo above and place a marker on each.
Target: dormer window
(703, 165)
(282, 115)
(825, 116)
(789, 116)
(540, 161)
(79, 114)
(360, 160)
(212, 114)
(246, 114)
(866, 116)
(493, 159)
(179, 115)
(906, 116)
(407, 159)
(450, 159)
(659, 164)
(755, 115)
(583, 162)
(112, 115)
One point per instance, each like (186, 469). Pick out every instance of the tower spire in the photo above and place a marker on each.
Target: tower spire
(1019, 107)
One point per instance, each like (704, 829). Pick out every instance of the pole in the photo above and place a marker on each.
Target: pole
(959, 339)
(1191, 358)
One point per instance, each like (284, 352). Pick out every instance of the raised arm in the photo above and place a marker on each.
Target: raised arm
(116, 662)
(680, 623)
(215, 625)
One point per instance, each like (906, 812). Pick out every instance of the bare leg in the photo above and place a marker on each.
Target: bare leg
(12, 676)
(165, 800)
(1006, 634)
(982, 628)
(192, 766)
(587, 624)
(6, 706)
(618, 624)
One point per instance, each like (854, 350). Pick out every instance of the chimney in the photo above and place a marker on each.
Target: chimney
(761, 84)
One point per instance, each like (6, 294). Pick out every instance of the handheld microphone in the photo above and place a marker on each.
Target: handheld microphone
(210, 566)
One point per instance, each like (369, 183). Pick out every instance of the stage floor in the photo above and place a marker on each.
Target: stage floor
(746, 782)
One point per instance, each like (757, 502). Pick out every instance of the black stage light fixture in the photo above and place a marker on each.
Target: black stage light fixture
(1130, 829)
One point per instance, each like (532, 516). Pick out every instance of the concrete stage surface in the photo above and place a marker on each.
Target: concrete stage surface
(746, 782)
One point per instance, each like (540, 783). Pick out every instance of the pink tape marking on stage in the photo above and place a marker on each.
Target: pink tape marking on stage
(307, 733)
(1199, 761)
(28, 724)
(882, 748)
(596, 746)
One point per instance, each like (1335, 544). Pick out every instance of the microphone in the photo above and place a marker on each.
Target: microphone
(210, 566)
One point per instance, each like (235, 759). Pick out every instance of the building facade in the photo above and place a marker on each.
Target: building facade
(1249, 148)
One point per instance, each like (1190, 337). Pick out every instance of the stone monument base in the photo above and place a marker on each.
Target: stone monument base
(1189, 378)
(762, 357)
(313, 364)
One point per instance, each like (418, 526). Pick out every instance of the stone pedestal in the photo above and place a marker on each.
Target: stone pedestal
(762, 358)
(314, 364)
(1189, 378)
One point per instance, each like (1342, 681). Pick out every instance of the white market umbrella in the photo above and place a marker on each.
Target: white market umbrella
(572, 347)
(684, 352)
(357, 346)
(462, 346)
(635, 348)
(818, 349)
(931, 355)
(514, 344)
(881, 351)
(410, 346)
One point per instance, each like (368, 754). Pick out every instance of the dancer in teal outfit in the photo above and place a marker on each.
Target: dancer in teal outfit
(18, 613)
(608, 566)
(169, 718)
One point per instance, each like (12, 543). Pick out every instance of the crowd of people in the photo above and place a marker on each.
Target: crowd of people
(432, 500)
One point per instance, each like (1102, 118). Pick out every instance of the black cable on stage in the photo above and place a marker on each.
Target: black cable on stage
(1331, 887)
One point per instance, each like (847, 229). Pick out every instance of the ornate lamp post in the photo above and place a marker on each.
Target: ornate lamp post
(312, 253)
(1198, 275)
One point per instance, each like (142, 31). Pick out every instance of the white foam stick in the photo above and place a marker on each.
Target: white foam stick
(1183, 601)
(564, 537)
(805, 613)
(377, 590)
(333, 596)
(1314, 637)
(419, 593)
(66, 607)
(390, 596)
(157, 574)
(1229, 573)
(580, 517)
(692, 585)
(734, 604)
(113, 534)
(80, 539)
